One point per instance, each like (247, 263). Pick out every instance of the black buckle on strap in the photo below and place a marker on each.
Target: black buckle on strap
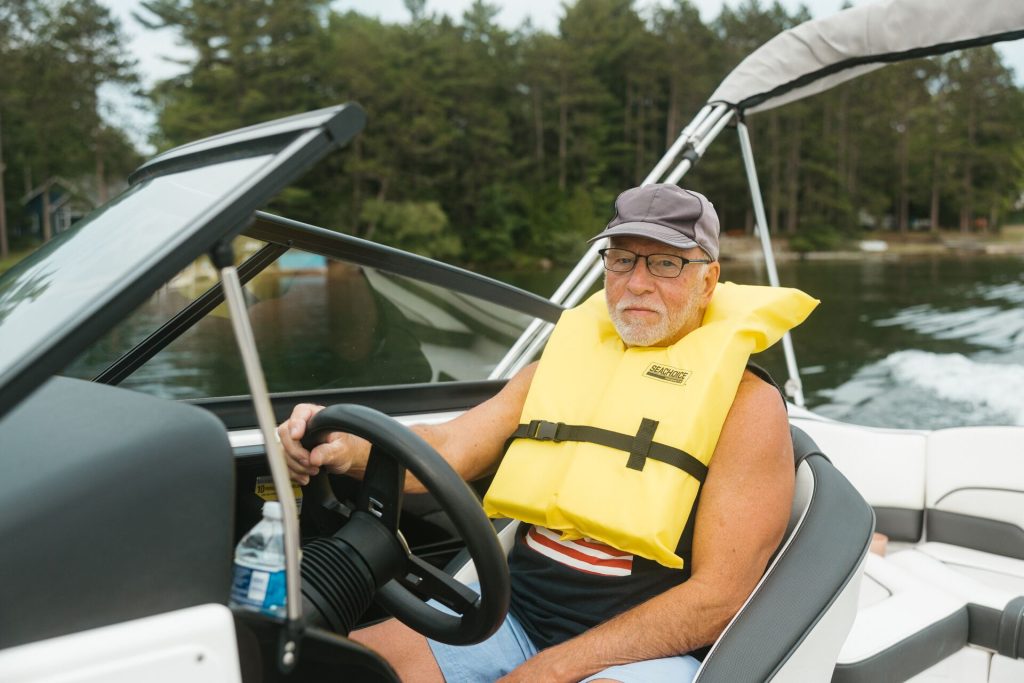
(542, 430)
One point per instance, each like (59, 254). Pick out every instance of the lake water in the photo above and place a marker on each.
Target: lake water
(916, 342)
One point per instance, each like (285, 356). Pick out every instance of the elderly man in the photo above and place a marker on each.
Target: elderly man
(586, 607)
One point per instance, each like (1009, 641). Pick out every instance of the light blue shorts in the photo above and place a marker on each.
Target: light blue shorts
(510, 646)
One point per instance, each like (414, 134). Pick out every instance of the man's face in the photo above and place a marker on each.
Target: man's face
(658, 311)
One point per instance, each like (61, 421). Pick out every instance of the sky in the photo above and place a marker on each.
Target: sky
(155, 50)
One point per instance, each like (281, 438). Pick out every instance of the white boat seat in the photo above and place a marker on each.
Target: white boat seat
(983, 578)
(861, 453)
(795, 621)
(996, 615)
(975, 489)
(913, 626)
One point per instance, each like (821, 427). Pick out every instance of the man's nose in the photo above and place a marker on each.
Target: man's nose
(640, 279)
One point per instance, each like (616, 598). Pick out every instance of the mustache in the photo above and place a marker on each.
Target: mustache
(638, 302)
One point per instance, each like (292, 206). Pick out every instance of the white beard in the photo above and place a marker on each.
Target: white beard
(637, 333)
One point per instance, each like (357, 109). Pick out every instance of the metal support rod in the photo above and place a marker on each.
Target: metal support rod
(700, 131)
(526, 346)
(537, 341)
(677, 146)
(529, 350)
(235, 300)
(705, 136)
(794, 387)
(509, 364)
(583, 288)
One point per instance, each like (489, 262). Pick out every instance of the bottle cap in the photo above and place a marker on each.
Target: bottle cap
(272, 509)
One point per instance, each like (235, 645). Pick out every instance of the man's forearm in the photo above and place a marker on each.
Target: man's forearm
(678, 621)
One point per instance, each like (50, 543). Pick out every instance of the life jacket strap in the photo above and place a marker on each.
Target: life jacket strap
(639, 446)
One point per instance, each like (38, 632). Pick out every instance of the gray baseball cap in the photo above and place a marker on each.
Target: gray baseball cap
(666, 213)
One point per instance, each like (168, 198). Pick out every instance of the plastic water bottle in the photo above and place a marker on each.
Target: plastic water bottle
(258, 583)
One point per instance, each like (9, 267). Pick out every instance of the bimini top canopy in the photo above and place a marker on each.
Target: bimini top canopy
(822, 53)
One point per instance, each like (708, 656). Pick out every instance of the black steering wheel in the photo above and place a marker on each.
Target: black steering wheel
(372, 540)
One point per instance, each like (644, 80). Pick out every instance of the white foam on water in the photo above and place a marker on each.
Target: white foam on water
(1012, 292)
(991, 387)
(923, 390)
(988, 326)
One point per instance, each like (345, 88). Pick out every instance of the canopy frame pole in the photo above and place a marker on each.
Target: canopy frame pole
(704, 135)
(684, 137)
(536, 343)
(794, 387)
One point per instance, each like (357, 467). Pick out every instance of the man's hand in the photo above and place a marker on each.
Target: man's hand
(471, 443)
(338, 453)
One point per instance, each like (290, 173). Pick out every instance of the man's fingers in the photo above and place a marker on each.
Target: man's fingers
(331, 454)
(301, 415)
(297, 471)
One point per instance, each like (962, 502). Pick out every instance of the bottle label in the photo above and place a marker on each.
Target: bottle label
(259, 590)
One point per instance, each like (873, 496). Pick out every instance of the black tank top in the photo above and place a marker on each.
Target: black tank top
(559, 590)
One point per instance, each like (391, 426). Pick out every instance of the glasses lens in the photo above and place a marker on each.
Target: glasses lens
(618, 260)
(664, 265)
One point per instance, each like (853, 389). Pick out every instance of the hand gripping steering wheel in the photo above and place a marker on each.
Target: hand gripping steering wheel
(370, 554)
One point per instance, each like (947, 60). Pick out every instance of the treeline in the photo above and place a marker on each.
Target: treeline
(492, 146)
(54, 56)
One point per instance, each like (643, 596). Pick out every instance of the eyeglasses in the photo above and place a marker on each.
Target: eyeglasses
(659, 265)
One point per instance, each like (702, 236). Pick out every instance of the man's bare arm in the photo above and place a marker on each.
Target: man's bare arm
(472, 443)
(744, 508)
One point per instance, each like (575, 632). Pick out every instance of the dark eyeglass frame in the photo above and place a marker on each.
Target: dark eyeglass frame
(647, 257)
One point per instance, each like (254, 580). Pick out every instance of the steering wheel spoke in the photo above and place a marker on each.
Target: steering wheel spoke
(428, 582)
(382, 489)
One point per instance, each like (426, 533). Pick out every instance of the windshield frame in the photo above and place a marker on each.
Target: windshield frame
(310, 137)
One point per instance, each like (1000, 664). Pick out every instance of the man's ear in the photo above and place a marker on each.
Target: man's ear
(711, 273)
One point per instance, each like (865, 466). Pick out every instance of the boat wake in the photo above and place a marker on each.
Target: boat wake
(920, 389)
(991, 327)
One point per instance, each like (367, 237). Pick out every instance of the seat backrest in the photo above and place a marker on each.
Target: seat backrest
(975, 489)
(887, 467)
(795, 621)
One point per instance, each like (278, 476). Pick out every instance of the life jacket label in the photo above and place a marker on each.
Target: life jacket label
(667, 373)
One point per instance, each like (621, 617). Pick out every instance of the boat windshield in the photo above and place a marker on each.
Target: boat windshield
(71, 277)
(319, 323)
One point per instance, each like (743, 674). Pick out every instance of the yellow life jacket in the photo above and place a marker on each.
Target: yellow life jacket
(615, 442)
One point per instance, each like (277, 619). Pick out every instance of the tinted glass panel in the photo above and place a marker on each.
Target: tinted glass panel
(322, 323)
(62, 280)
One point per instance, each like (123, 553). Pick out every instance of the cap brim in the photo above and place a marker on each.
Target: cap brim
(653, 231)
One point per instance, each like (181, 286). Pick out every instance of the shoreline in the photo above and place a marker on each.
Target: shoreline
(883, 247)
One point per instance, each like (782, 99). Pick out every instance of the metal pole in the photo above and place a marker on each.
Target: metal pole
(235, 300)
(794, 387)
(677, 146)
(705, 136)
(510, 362)
(533, 345)
(513, 364)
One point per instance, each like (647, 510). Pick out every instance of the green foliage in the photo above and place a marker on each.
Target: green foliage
(55, 55)
(498, 147)
(254, 60)
(524, 138)
(420, 227)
